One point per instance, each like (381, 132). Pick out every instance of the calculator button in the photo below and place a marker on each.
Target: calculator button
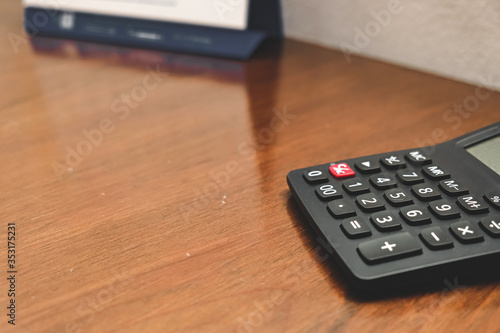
(436, 239)
(416, 157)
(341, 170)
(466, 232)
(393, 162)
(355, 186)
(434, 172)
(425, 192)
(414, 215)
(493, 199)
(383, 182)
(409, 177)
(398, 197)
(472, 204)
(453, 188)
(369, 203)
(491, 226)
(355, 228)
(328, 192)
(341, 209)
(367, 166)
(385, 221)
(444, 210)
(389, 248)
(315, 176)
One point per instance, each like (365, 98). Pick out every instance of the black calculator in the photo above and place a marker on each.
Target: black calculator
(409, 216)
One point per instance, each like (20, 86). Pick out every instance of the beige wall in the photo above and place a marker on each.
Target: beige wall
(459, 39)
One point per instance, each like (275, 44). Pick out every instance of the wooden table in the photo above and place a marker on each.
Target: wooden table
(148, 189)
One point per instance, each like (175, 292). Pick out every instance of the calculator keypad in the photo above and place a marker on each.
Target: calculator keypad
(396, 206)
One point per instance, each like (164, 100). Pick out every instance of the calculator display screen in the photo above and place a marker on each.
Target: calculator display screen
(488, 152)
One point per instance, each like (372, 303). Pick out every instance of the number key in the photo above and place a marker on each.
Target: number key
(355, 186)
(414, 215)
(409, 177)
(383, 182)
(398, 197)
(315, 176)
(425, 192)
(327, 192)
(369, 203)
(385, 221)
(444, 210)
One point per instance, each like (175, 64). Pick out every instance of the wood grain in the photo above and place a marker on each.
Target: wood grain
(179, 218)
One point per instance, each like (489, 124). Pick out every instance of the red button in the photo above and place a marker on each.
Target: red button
(341, 170)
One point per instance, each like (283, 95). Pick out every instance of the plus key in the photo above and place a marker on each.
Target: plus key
(389, 248)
